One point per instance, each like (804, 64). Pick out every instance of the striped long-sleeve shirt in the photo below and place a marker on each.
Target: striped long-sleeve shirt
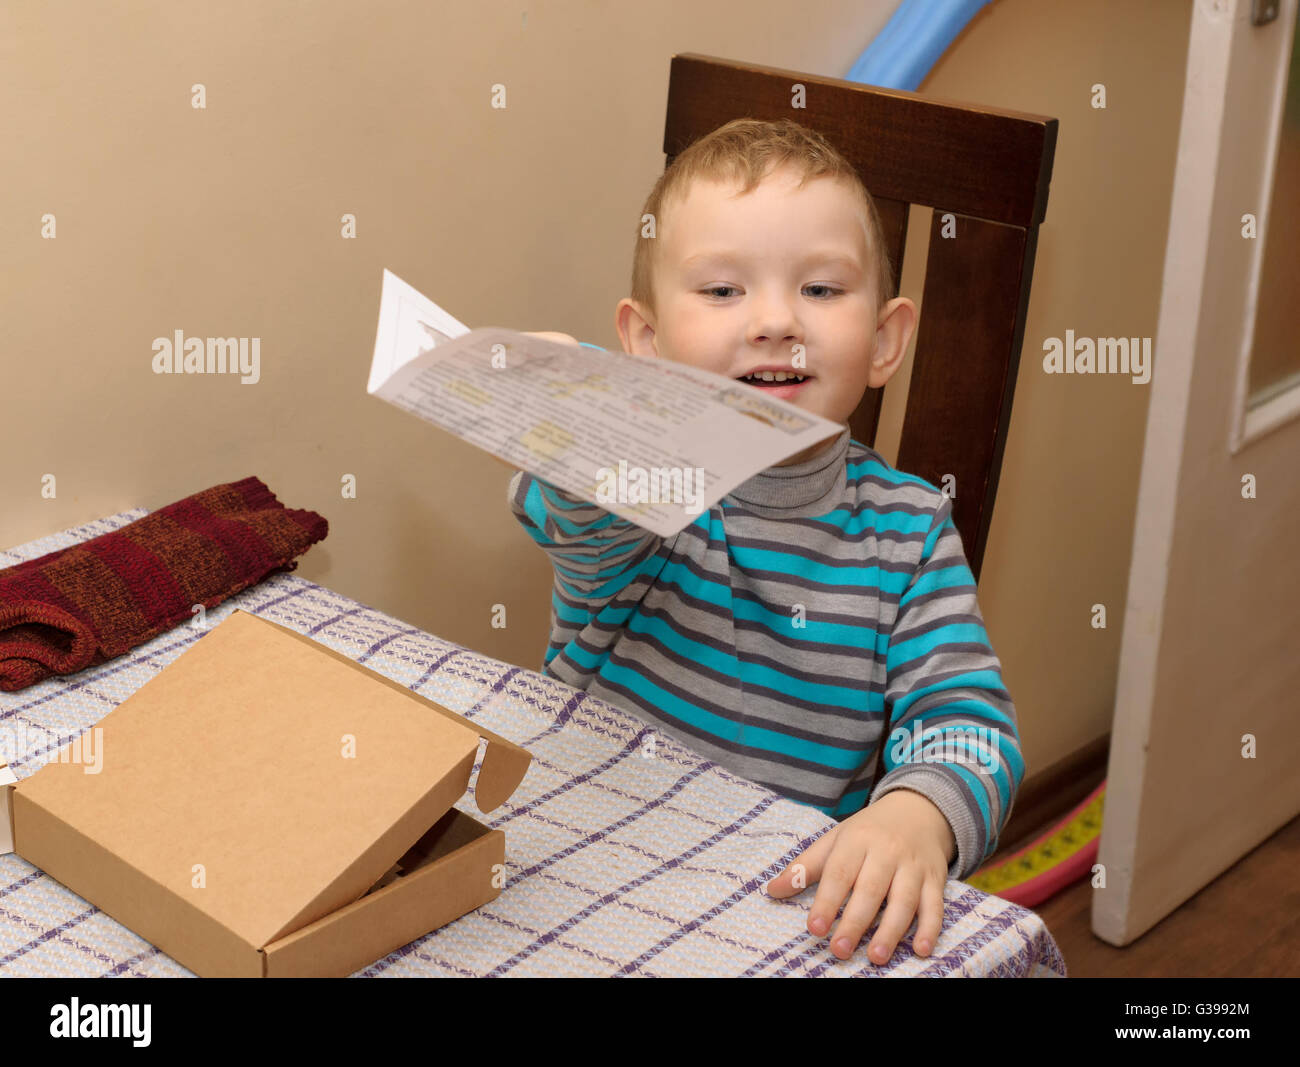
(773, 633)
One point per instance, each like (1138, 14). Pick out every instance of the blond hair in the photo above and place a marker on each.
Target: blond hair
(745, 151)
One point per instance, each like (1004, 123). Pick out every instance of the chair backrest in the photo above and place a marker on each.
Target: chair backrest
(985, 172)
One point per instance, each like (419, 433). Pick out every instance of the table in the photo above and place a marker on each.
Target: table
(619, 862)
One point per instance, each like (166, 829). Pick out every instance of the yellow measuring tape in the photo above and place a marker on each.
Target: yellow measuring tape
(1080, 829)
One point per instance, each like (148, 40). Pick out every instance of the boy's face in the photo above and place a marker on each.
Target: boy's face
(741, 281)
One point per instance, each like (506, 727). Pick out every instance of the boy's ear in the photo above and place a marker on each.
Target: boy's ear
(636, 331)
(894, 327)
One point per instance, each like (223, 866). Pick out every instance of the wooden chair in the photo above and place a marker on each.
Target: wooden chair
(989, 169)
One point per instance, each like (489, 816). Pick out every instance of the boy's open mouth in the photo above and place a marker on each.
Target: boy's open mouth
(782, 384)
(770, 378)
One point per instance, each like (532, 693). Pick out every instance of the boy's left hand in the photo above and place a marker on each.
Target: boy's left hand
(901, 846)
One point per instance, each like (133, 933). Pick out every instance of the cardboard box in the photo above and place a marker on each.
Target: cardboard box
(266, 807)
(7, 778)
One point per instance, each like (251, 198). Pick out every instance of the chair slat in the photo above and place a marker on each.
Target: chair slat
(983, 162)
(864, 423)
(966, 360)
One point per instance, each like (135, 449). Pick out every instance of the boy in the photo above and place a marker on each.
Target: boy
(774, 633)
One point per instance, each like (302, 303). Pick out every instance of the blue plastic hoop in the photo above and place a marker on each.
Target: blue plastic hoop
(912, 41)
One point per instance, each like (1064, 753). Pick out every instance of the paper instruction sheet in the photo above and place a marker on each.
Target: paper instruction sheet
(653, 441)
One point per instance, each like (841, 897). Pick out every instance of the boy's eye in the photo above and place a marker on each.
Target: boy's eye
(824, 291)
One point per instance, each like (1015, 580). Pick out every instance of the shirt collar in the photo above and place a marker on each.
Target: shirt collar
(807, 488)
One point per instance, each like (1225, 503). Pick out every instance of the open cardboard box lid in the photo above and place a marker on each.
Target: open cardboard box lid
(278, 773)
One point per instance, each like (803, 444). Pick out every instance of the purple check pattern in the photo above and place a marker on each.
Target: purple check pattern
(623, 858)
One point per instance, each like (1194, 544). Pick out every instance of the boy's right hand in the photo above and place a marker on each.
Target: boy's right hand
(563, 338)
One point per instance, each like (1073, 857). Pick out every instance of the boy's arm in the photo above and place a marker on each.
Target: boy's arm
(595, 552)
(943, 676)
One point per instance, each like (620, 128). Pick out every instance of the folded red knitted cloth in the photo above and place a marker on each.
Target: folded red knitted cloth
(82, 605)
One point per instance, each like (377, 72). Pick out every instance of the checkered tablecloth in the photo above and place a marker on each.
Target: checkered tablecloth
(617, 863)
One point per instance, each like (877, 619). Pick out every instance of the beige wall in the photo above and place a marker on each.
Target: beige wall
(226, 222)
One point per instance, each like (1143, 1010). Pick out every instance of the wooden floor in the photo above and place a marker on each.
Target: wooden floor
(1244, 924)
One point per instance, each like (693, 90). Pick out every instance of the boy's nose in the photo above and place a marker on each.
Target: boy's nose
(781, 336)
(774, 321)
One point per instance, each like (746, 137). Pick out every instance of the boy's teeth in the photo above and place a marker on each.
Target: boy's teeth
(774, 376)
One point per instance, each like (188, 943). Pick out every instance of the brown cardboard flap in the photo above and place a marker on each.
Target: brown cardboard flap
(264, 779)
(503, 768)
(504, 763)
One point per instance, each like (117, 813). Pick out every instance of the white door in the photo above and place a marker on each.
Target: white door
(1205, 750)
